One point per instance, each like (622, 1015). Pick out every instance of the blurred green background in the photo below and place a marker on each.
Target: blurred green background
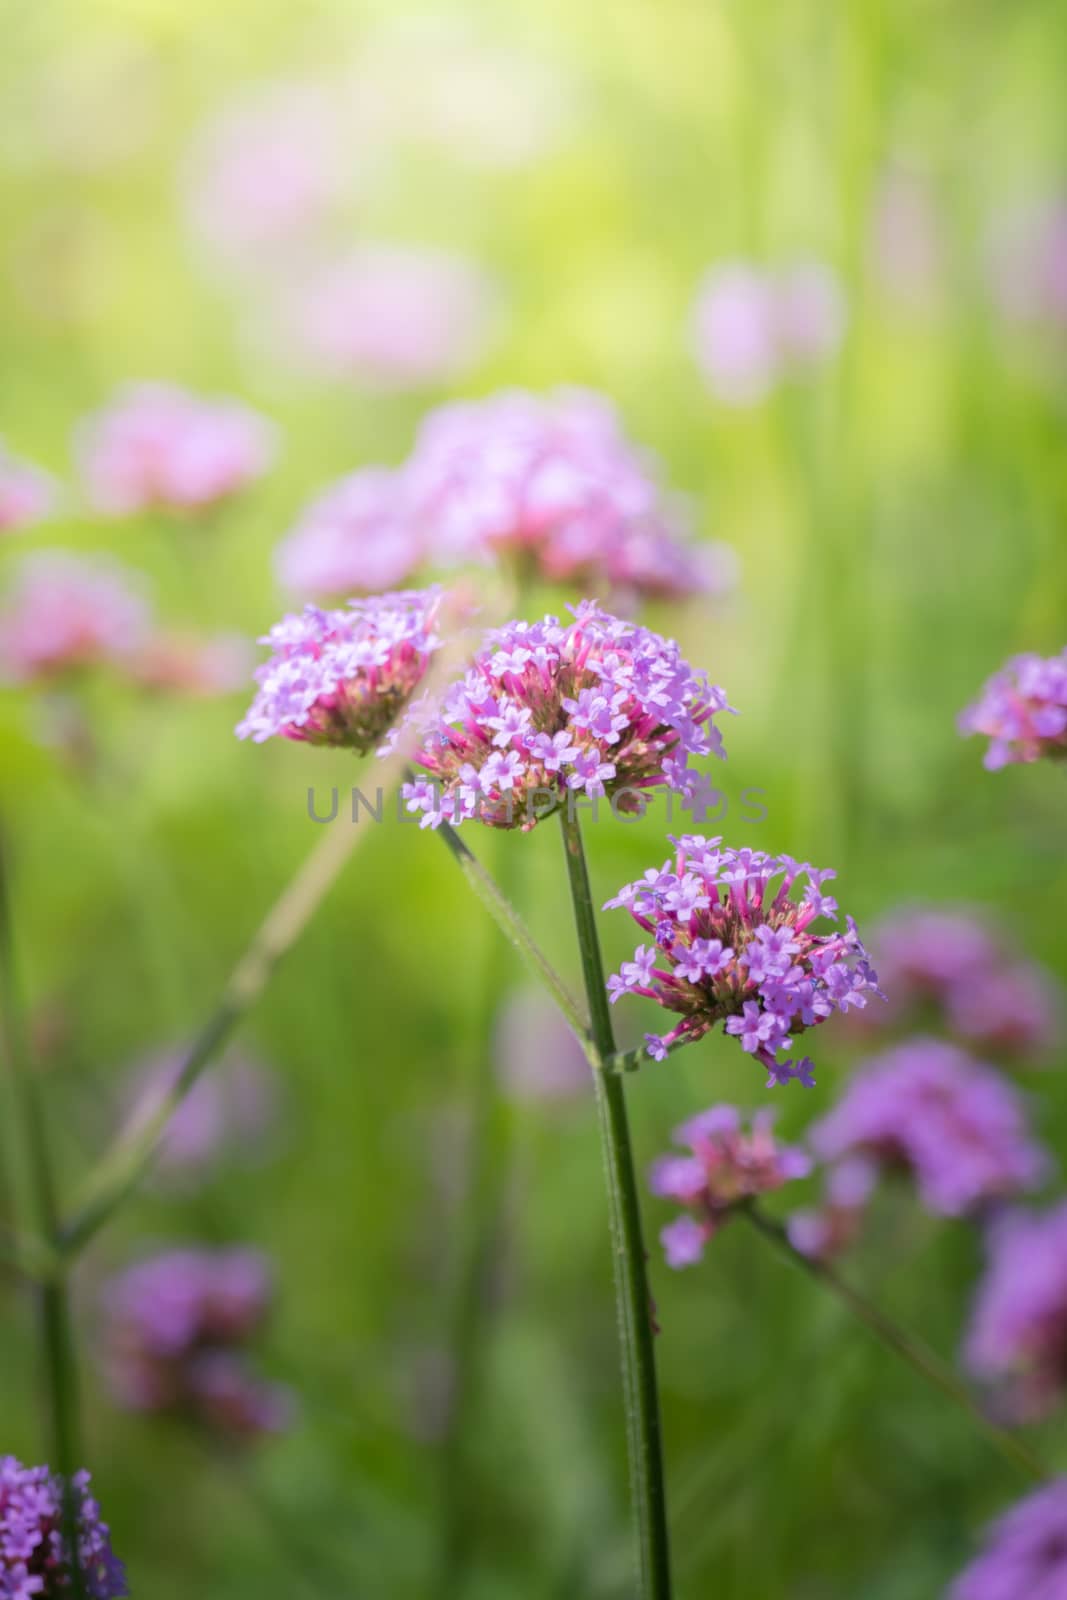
(899, 516)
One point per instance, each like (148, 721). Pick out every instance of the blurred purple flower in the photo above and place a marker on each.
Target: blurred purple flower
(1024, 1554)
(176, 1328)
(158, 446)
(27, 493)
(553, 483)
(727, 948)
(231, 1108)
(65, 613)
(1017, 1340)
(726, 1164)
(392, 317)
(356, 537)
(752, 325)
(538, 1055)
(34, 1557)
(932, 1110)
(1028, 263)
(1022, 711)
(824, 1231)
(343, 677)
(624, 709)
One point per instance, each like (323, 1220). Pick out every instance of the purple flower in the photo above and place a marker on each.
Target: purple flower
(65, 613)
(952, 1122)
(827, 1230)
(27, 493)
(177, 1327)
(726, 1164)
(660, 708)
(355, 538)
(1022, 711)
(229, 1109)
(1024, 1555)
(343, 677)
(1017, 1341)
(159, 446)
(553, 484)
(34, 1557)
(738, 950)
(751, 325)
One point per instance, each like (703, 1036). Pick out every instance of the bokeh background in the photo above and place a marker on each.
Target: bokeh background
(897, 507)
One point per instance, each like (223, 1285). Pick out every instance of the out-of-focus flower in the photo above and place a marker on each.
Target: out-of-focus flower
(35, 1559)
(538, 1056)
(357, 537)
(1028, 262)
(752, 326)
(27, 493)
(177, 1327)
(229, 1109)
(65, 613)
(549, 710)
(826, 1230)
(392, 317)
(1024, 1554)
(1022, 711)
(343, 677)
(1018, 1335)
(159, 446)
(953, 1122)
(727, 947)
(180, 663)
(906, 244)
(944, 965)
(552, 482)
(726, 1164)
(267, 169)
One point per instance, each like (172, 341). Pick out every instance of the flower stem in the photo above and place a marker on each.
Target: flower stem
(918, 1355)
(631, 1286)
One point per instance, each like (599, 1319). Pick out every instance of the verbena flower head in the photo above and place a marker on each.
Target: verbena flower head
(954, 1123)
(177, 1328)
(65, 613)
(752, 325)
(355, 538)
(553, 483)
(824, 1231)
(343, 677)
(35, 1560)
(726, 1164)
(552, 710)
(1022, 711)
(159, 446)
(1024, 1554)
(27, 493)
(730, 944)
(1017, 1341)
(229, 1110)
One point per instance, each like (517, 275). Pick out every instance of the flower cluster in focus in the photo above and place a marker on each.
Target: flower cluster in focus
(342, 677)
(1022, 711)
(176, 1330)
(552, 710)
(34, 1558)
(730, 944)
(726, 1165)
(1017, 1340)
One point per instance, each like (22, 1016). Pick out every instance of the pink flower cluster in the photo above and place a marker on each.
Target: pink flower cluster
(158, 446)
(65, 613)
(953, 1123)
(343, 677)
(176, 1330)
(1024, 1556)
(1017, 1340)
(551, 710)
(726, 1165)
(752, 326)
(27, 493)
(730, 945)
(1022, 711)
(356, 538)
(34, 1558)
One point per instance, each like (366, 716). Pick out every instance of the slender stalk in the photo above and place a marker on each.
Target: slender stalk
(633, 1303)
(38, 1199)
(918, 1355)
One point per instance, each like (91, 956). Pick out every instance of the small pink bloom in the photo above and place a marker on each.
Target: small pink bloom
(356, 538)
(65, 613)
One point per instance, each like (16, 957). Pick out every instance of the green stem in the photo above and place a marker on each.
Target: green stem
(631, 1286)
(38, 1200)
(917, 1355)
